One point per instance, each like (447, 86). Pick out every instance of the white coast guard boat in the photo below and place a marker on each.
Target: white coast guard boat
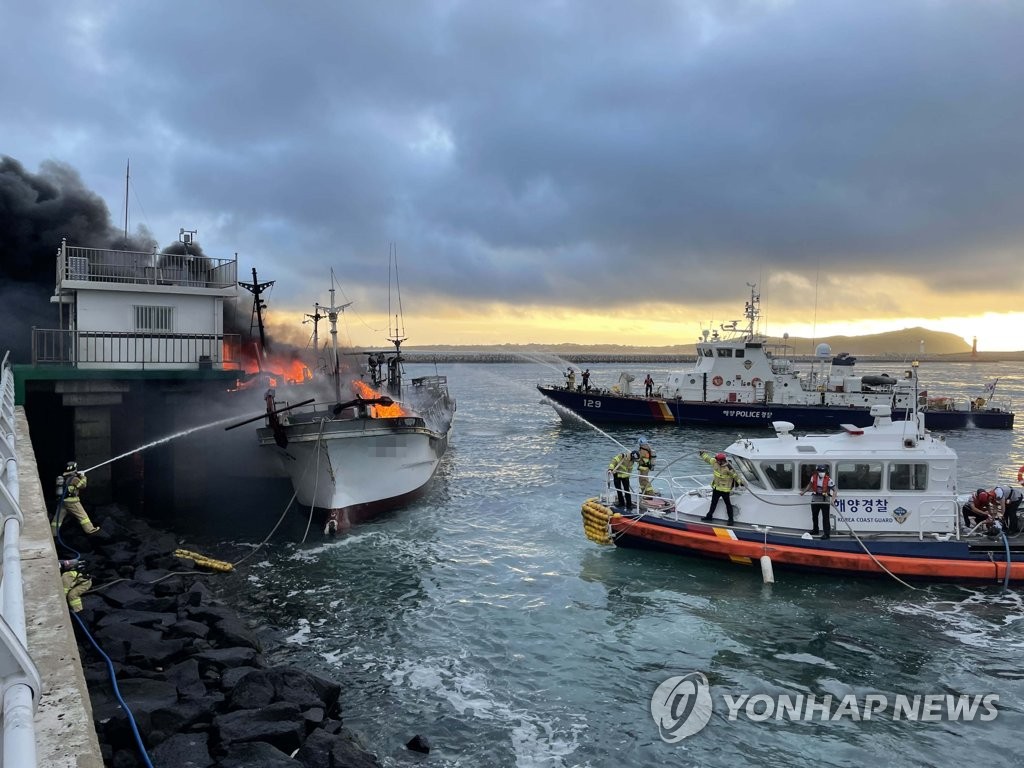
(742, 380)
(369, 444)
(896, 510)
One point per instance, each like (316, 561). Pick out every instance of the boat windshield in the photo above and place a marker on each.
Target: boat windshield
(749, 471)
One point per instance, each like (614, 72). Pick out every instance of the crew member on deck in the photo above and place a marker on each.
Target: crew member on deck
(978, 509)
(1006, 501)
(648, 386)
(620, 469)
(586, 379)
(822, 489)
(570, 380)
(724, 480)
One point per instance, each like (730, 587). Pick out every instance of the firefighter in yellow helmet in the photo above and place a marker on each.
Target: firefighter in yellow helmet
(71, 484)
(76, 583)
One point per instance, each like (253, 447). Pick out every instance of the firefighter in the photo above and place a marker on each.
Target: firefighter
(724, 479)
(76, 582)
(71, 484)
(620, 468)
(644, 467)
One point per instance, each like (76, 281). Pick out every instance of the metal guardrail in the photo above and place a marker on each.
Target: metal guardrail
(77, 264)
(183, 351)
(19, 679)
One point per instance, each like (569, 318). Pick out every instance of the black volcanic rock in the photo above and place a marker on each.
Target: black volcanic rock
(191, 671)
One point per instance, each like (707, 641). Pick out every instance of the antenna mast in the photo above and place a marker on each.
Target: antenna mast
(127, 175)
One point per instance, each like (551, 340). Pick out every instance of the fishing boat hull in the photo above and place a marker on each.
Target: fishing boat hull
(909, 558)
(358, 466)
(609, 407)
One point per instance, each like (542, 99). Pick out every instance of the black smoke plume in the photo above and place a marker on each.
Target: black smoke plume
(37, 211)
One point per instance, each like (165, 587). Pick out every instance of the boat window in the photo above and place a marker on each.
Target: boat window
(779, 473)
(746, 468)
(859, 476)
(724, 352)
(806, 470)
(908, 477)
(740, 353)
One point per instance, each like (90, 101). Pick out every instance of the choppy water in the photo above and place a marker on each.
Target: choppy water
(482, 618)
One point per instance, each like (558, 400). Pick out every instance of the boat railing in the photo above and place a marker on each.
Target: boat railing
(938, 515)
(21, 684)
(76, 265)
(104, 349)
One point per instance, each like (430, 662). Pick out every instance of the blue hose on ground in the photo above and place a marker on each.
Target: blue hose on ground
(117, 692)
(110, 664)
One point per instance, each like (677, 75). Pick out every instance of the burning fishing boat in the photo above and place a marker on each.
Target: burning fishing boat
(364, 445)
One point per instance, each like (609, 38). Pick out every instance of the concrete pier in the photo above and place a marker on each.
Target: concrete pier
(65, 735)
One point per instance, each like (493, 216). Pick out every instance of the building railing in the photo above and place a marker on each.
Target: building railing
(19, 679)
(104, 265)
(149, 351)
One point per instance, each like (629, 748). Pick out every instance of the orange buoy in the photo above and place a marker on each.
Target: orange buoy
(1020, 475)
(717, 381)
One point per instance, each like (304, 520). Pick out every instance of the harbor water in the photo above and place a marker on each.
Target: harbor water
(481, 617)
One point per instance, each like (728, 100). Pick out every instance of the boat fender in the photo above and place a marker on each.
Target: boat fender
(766, 570)
(717, 381)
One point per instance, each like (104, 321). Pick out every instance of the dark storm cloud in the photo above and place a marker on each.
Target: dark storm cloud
(566, 153)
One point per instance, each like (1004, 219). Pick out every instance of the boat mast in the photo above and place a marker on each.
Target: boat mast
(256, 288)
(397, 336)
(752, 311)
(332, 316)
(315, 319)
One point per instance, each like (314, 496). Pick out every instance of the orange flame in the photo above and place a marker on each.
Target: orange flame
(362, 389)
(280, 370)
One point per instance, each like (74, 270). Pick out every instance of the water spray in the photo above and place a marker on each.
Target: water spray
(563, 410)
(162, 440)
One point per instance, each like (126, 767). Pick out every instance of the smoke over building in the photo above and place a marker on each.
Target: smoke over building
(37, 210)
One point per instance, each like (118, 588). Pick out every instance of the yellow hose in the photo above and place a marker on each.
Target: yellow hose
(203, 561)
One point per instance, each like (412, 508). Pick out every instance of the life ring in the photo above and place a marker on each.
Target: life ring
(717, 381)
(1020, 475)
(756, 382)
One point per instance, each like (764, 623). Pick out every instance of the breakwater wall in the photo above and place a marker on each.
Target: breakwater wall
(423, 356)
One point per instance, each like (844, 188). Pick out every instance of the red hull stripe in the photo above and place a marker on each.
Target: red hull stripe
(660, 411)
(719, 542)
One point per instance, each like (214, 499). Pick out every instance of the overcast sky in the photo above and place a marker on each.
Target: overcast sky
(636, 162)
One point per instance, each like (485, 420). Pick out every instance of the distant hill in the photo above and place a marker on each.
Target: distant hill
(905, 344)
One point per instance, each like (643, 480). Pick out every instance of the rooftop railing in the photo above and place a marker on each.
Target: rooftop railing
(19, 678)
(150, 351)
(102, 265)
